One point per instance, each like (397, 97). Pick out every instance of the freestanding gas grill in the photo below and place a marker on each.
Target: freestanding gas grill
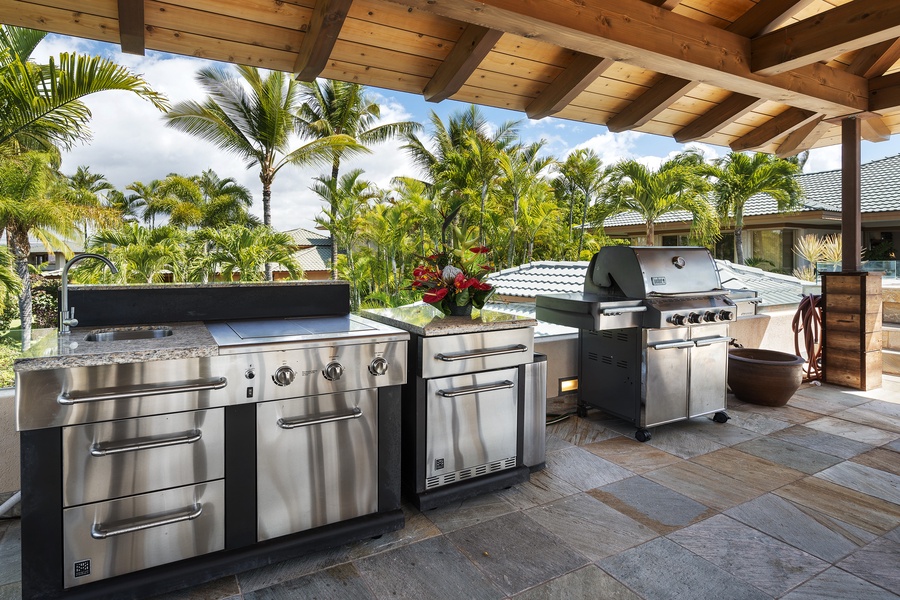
(653, 334)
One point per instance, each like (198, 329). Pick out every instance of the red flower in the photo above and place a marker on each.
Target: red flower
(481, 286)
(435, 296)
(480, 249)
(461, 282)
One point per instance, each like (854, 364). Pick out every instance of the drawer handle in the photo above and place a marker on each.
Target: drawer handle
(186, 514)
(107, 448)
(711, 341)
(481, 353)
(611, 312)
(116, 393)
(476, 389)
(319, 419)
(676, 344)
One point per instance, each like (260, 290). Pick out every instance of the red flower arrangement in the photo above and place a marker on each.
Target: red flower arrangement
(456, 278)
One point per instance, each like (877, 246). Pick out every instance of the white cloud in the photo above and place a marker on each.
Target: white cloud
(612, 147)
(823, 159)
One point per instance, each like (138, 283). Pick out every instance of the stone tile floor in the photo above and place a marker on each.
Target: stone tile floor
(798, 502)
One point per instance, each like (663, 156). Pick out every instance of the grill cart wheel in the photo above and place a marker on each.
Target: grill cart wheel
(720, 417)
(642, 435)
(581, 410)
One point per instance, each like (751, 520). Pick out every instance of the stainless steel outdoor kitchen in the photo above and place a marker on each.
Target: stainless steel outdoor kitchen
(181, 433)
(653, 334)
(175, 434)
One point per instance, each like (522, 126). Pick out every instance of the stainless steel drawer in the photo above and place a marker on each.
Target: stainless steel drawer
(445, 355)
(121, 536)
(472, 426)
(120, 458)
(317, 461)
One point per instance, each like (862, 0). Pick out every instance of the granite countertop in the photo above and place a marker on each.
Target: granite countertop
(53, 351)
(426, 320)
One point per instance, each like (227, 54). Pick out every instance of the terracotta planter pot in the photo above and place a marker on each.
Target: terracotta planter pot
(764, 377)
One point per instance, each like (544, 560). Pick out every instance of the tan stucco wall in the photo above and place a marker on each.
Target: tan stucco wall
(9, 444)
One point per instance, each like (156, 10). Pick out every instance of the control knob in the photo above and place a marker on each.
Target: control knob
(378, 366)
(677, 319)
(694, 318)
(333, 371)
(283, 376)
(726, 315)
(711, 316)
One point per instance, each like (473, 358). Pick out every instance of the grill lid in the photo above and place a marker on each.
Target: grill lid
(644, 271)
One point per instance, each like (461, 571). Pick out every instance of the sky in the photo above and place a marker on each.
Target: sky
(130, 141)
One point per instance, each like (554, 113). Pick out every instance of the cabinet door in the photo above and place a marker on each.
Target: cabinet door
(665, 381)
(708, 369)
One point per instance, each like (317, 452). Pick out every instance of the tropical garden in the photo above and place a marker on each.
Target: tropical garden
(475, 181)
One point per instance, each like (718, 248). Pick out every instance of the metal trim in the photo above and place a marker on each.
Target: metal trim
(116, 393)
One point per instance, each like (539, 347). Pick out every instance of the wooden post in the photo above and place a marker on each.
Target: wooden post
(851, 207)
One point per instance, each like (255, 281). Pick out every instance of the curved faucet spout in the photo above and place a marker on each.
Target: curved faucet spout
(67, 318)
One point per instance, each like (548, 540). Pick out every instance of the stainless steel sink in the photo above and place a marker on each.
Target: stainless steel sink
(136, 333)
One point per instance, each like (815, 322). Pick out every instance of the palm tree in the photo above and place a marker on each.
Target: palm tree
(336, 107)
(142, 196)
(141, 255)
(522, 169)
(32, 202)
(581, 177)
(255, 116)
(87, 189)
(679, 184)
(41, 105)
(201, 201)
(741, 176)
(237, 249)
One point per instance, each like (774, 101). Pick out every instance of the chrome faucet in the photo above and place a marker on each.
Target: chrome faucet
(67, 318)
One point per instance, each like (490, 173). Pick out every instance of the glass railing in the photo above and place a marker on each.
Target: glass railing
(888, 267)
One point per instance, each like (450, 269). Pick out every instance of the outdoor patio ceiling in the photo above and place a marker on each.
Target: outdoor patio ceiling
(771, 75)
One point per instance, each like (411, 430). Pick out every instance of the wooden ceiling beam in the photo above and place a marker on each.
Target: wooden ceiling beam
(844, 28)
(786, 122)
(884, 93)
(803, 138)
(639, 34)
(733, 107)
(473, 45)
(325, 25)
(580, 73)
(875, 60)
(766, 15)
(131, 26)
(666, 4)
(650, 103)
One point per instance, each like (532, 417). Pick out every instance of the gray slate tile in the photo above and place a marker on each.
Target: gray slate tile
(471, 511)
(288, 570)
(591, 527)
(663, 570)
(821, 441)
(879, 563)
(656, 504)
(212, 590)
(433, 568)
(865, 479)
(516, 553)
(10, 555)
(788, 454)
(588, 583)
(584, 470)
(752, 556)
(815, 534)
(686, 440)
(342, 581)
(835, 584)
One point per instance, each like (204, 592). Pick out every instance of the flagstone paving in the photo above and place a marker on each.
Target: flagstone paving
(799, 502)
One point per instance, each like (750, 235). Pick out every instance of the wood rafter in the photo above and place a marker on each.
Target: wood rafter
(650, 103)
(803, 138)
(884, 92)
(819, 38)
(786, 122)
(874, 129)
(666, 4)
(324, 27)
(875, 60)
(766, 15)
(643, 35)
(582, 72)
(730, 109)
(473, 45)
(131, 26)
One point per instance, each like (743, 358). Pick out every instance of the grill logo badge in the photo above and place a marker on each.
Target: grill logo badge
(658, 280)
(83, 568)
(438, 464)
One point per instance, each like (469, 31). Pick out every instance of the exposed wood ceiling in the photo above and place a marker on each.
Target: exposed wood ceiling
(771, 75)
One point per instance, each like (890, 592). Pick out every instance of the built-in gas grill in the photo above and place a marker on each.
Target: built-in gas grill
(653, 334)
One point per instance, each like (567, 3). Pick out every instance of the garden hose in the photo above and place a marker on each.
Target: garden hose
(808, 321)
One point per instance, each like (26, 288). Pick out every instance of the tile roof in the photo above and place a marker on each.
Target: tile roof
(307, 237)
(822, 192)
(543, 277)
(547, 277)
(317, 258)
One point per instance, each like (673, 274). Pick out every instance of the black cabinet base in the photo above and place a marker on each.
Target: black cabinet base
(194, 571)
(469, 488)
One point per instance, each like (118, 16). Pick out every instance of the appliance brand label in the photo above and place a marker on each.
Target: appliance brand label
(658, 280)
(83, 568)
(308, 373)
